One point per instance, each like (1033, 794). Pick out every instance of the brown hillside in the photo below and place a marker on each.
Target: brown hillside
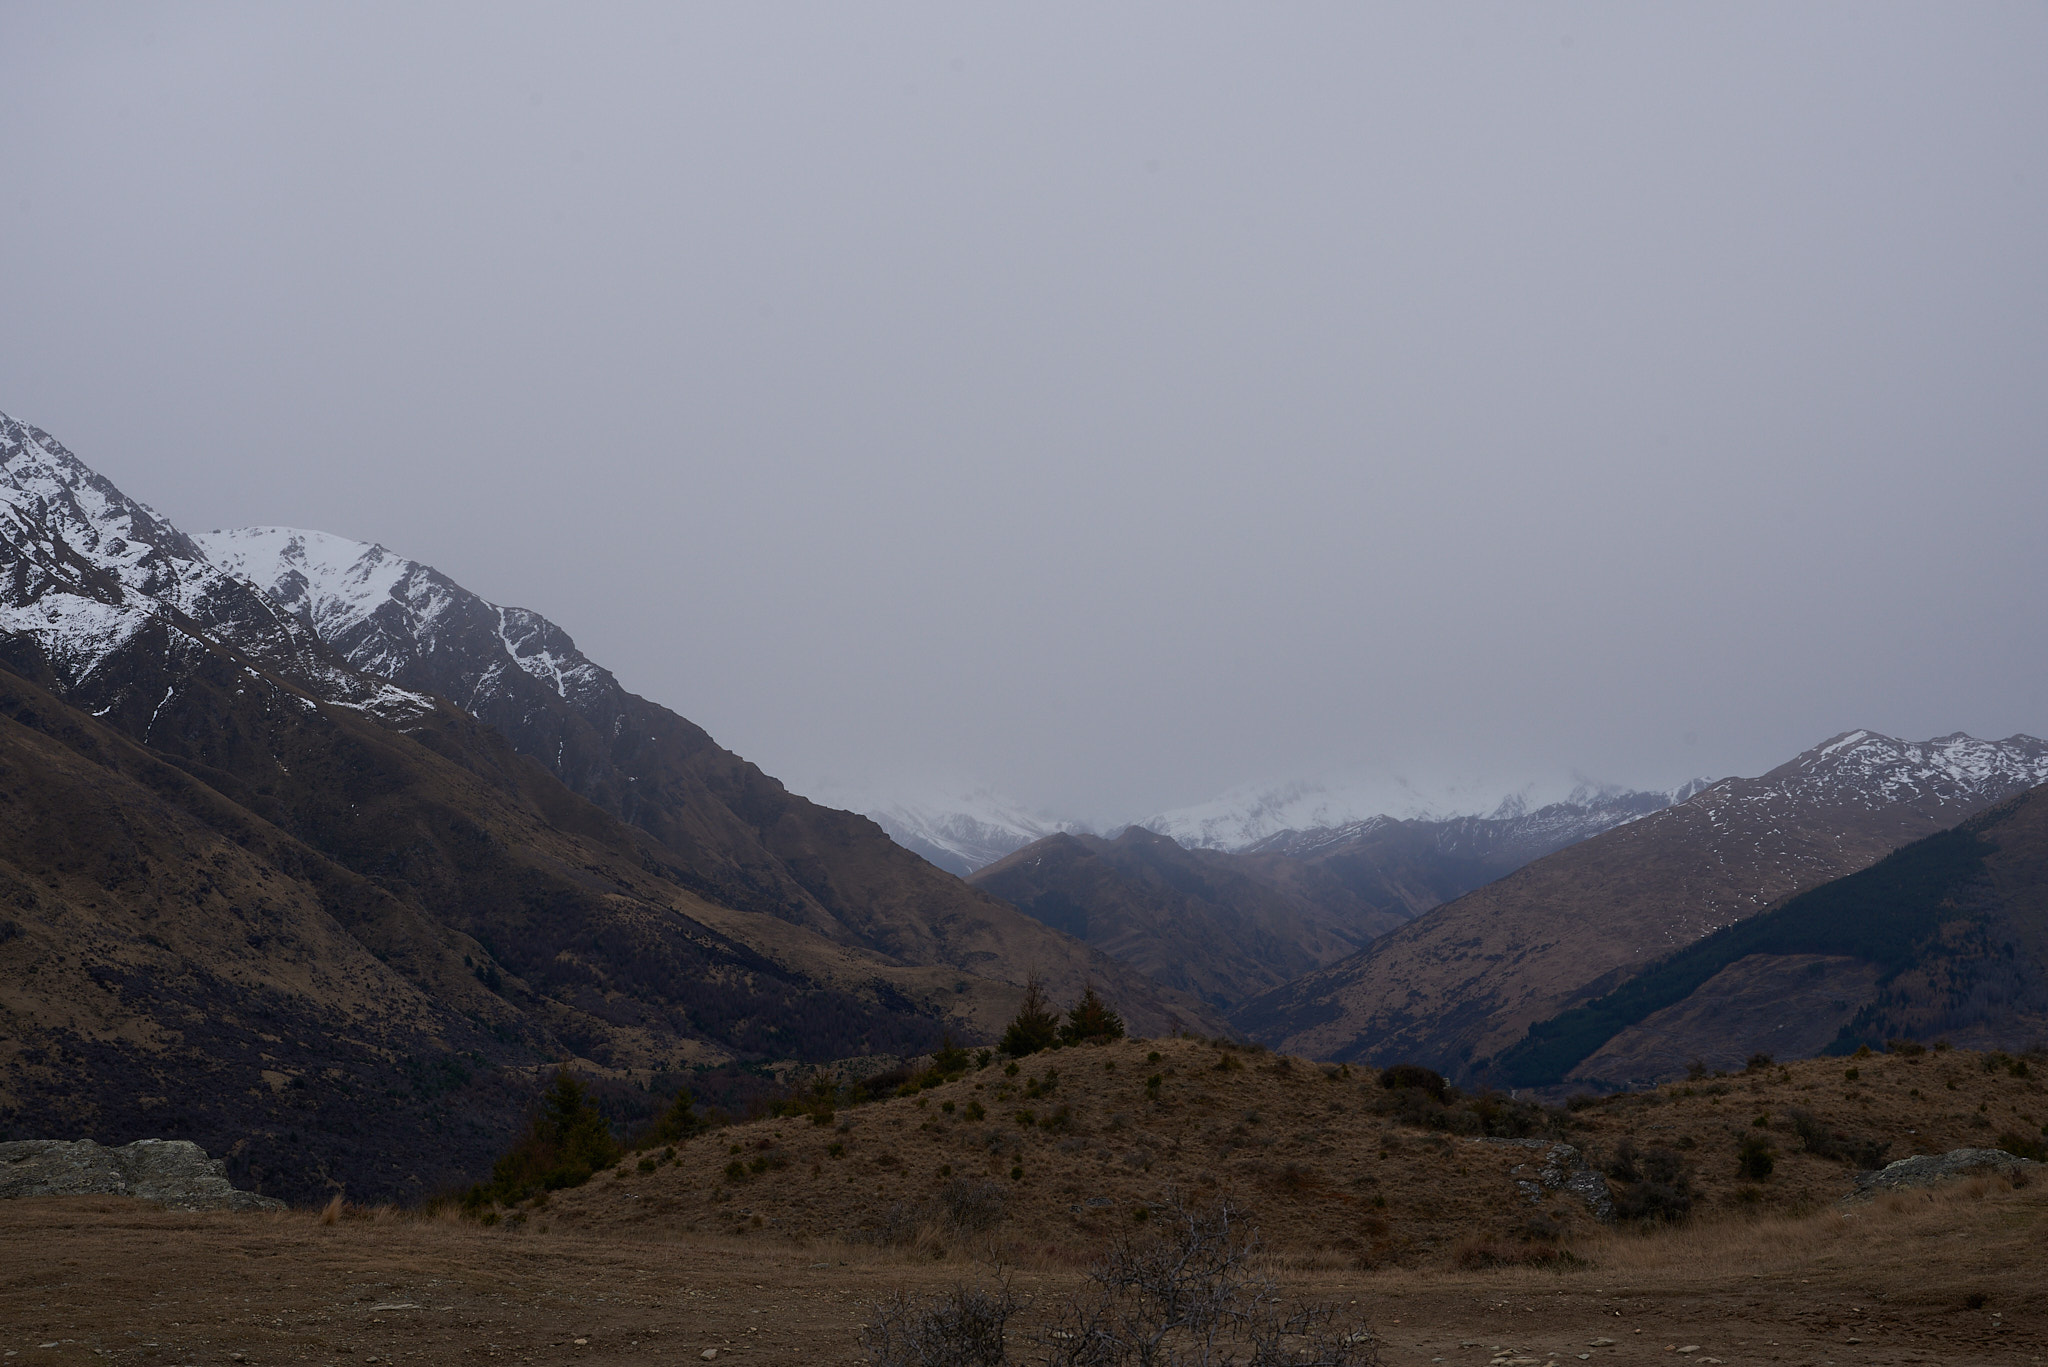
(1946, 938)
(1464, 981)
(124, 616)
(1327, 1160)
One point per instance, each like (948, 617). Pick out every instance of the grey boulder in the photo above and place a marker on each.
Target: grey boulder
(1924, 1170)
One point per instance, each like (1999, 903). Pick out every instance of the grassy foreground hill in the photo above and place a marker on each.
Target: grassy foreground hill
(1078, 1144)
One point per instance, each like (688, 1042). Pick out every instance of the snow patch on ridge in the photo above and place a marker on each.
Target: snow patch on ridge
(959, 829)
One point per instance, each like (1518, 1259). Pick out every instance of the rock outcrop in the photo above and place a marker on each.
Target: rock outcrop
(1562, 1168)
(1924, 1170)
(173, 1172)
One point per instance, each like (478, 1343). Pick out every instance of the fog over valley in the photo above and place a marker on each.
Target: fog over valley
(1107, 411)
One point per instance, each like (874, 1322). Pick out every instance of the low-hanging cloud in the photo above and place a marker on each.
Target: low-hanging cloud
(1109, 406)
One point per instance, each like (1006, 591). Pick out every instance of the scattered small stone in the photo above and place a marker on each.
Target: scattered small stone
(1690, 1348)
(1601, 1343)
(708, 1354)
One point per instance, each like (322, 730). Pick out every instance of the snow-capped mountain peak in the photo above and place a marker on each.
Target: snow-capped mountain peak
(387, 613)
(92, 571)
(1868, 769)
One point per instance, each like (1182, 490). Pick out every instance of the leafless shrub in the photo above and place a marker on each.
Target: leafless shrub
(973, 1204)
(1179, 1293)
(964, 1327)
(895, 1226)
(1185, 1293)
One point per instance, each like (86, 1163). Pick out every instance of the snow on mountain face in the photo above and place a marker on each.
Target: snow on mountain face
(959, 832)
(1868, 770)
(88, 570)
(1289, 812)
(397, 617)
(1511, 826)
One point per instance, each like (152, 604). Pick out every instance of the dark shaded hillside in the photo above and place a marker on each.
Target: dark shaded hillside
(1955, 925)
(1465, 981)
(344, 1005)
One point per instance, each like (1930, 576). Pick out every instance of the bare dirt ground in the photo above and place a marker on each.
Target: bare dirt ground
(1956, 1276)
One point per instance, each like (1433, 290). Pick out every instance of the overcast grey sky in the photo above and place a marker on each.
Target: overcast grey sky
(1107, 403)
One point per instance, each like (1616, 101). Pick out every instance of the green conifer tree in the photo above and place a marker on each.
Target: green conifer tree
(1034, 1027)
(1091, 1018)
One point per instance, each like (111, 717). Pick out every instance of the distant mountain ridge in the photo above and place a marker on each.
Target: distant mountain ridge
(1465, 981)
(1255, 815)
(1512, 831)
(965, 832)
(1227, 926)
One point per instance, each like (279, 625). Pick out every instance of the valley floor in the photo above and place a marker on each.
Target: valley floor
(107, 1279)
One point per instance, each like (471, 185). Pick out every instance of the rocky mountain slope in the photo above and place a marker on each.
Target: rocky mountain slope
(1946, 938)
(1465, 981)
(257, 897)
